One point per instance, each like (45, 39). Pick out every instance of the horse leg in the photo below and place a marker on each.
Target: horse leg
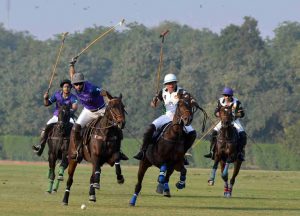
(51, 173)
(181, 183)
(166, 191)
(161, 179)
(211, 180)
(144, 165)
(224, 177)
(63, 165)
(92, 192)
(236, 169)
(120, 177)
(71, 171)
(96, 171)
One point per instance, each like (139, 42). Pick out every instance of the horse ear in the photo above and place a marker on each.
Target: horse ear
(180, 95)
(108, 95)
(120, 96)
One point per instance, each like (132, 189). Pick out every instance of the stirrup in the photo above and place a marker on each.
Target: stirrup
(36, 148)
(209, 155)
(123, 156)
(140, 155)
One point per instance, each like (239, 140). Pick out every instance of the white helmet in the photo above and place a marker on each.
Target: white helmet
(170, 78)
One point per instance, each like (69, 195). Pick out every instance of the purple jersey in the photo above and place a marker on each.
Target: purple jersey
(60, 100)
(90, 97)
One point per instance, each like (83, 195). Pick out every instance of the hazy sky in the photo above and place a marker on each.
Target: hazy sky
(45, 18)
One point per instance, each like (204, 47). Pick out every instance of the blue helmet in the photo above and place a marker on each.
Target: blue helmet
(227, 91)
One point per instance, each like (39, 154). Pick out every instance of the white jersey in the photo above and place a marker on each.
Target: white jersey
(171, 100)
(170, 103)
(233, 103)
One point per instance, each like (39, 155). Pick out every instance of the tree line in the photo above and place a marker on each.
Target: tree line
(264, 73)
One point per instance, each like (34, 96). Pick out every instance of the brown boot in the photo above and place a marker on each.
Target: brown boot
(146, 141)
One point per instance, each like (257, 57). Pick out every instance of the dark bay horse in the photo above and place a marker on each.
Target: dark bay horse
(168, 152)
(226, 151)
(58, 143)
(102, 145)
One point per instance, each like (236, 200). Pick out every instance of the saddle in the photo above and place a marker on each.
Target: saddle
(158, 133)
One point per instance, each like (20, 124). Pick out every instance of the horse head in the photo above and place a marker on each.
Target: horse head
(115, 110)
(64, 115)
(184, 114)
(226, 116)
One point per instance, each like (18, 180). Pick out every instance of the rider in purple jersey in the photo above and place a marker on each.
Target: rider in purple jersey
(92, 99)
(60, 97)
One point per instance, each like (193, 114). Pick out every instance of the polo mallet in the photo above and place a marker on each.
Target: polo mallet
(99, 37)
(57, 58)
(199, 140)
(162, 36)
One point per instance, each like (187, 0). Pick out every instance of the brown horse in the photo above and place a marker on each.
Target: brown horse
(101, 146)
(58, 143)
(168, 152)
(226, 151)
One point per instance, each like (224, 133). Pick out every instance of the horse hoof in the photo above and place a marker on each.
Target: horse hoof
(120, 179)
(54, 191)
(96, 186)
(211, 182)
(92, 198)
(227, 194)
(167, 194)
(64, 204)
(180, 185)
(160, 188)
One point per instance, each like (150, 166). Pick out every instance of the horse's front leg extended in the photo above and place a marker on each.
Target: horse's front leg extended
(211, 180)
(120, 177)
(143, 166)
(71, 171)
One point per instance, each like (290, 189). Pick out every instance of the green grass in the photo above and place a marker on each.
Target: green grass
(255, 193)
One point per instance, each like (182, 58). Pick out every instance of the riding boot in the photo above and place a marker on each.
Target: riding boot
(39, 148)
(147, 139)
(78, 142)
(188, 142)
(212, 145)
(242, 141)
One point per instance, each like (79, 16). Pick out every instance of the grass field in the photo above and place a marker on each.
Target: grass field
(264, 193)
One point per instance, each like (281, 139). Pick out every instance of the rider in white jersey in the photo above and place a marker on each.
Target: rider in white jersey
(169, 96)
(229, 101)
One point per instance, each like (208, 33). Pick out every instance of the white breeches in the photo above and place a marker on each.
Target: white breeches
(54, 119)
(163, 119)
(236, 124)
(87, 116)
